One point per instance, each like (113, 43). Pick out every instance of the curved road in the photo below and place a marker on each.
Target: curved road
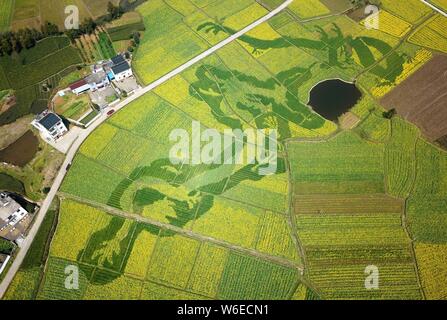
(85, 133)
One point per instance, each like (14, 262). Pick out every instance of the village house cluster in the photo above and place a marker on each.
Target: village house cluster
(116, 69)
(108, 80)
(14, 223)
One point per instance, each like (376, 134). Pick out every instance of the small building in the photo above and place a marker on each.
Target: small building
(79, 87)
(97, 81)
(11, 213)
(50, 125)
(122, 71)
(117, 60)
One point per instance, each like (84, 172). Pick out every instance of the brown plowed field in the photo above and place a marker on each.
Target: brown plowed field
(422, 98)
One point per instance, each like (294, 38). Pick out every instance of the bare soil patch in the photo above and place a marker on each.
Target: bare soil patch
(349, 120)
(422, 98)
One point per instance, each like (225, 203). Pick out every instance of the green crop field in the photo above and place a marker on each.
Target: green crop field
(46, 62)
(32, 13)
(342, 198)
(6, 10)
(122, 259)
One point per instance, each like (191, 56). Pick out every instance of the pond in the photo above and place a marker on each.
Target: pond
(9, 183)
(22, 151)
(332, 98)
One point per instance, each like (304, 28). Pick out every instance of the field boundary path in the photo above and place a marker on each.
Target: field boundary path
(84, 135)
(189, 233)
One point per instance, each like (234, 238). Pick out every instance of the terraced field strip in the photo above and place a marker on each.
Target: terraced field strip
(339, 248)
(346, 204)
(138, 218)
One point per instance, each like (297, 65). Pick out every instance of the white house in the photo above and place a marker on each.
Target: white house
(11, 213)
(122, 71)
(50, 125)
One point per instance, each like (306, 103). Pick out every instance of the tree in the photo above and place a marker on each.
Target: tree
(136, 38)
(49, 29)
(114, 11)
(389, 114)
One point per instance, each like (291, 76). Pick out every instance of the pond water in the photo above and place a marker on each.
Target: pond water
(22, 151)
(9, 183)
(332, 98)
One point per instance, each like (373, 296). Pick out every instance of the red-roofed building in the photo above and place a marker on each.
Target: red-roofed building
(79, 87)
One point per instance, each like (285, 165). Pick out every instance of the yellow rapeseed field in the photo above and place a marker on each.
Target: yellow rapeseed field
(431, 260)
(391, 24)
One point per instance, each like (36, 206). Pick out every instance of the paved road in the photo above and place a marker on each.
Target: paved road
(85, 133)
(435, 8)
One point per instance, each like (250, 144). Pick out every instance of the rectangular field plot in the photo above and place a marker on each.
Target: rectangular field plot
(90, 180)
(308, 8)
(275, 237)
(410, 10)
(173, 260)
(248, 278)
(162, 53)
(269, 193)
(76, 223)
(206, 275)
(124, 152)
(6, 10)
(342, 165)
(432, 34)
(346, 282)
(351, 230)
(391, 24)
(400, 159)
(230, 221)
(432, 269)
(225, 9)
(427, 206)
(132, 115)
(349, 204)
(140, 250)
(107, 285)
(108, 245)
(339, 248)
(53, 285)
(374, 128)
(97, 141)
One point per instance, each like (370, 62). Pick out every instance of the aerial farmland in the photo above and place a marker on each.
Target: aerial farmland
(349, 109)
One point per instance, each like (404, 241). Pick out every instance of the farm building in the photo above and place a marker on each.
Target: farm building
(97, 81)
(121, 68)
(50, 125)
(79, 87)
(122, 71)
(11, 213)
